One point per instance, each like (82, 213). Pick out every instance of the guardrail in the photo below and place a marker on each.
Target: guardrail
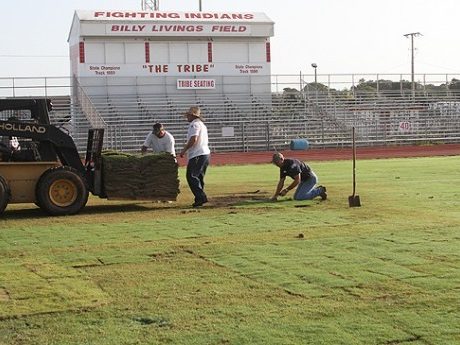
(60, 86)
(245, 122)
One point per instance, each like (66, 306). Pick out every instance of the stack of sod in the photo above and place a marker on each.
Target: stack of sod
(135, 177)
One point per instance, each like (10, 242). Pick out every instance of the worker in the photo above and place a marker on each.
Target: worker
(303, 178)
(159, 140)
(198, 155)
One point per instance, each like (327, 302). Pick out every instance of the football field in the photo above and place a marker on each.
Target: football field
(243, 270)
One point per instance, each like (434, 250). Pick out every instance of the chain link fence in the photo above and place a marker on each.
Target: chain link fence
(383, 113)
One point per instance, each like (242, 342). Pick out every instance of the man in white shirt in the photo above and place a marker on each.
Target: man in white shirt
(159, 140)
(198, 155)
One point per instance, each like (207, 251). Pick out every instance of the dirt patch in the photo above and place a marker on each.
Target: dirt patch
(4, 295)
(235, 199)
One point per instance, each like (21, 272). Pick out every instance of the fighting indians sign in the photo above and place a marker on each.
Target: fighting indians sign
(126, 23)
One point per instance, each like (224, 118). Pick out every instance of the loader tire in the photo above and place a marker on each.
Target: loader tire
(61, 191)
(5, 194)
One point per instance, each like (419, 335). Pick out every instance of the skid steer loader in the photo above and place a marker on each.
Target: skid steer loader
(40, 163)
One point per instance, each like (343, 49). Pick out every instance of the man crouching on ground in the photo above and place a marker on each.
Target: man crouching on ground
(304, 179)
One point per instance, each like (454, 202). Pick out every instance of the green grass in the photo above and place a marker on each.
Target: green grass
(237, 271)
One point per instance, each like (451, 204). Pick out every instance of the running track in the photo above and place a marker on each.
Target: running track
(240, 158)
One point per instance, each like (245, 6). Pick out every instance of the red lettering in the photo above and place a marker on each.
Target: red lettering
(193, 68)
(161, 68)
(228, 28)
(158, 68)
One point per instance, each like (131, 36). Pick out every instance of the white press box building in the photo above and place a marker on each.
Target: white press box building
(170, 55)
(175, 51)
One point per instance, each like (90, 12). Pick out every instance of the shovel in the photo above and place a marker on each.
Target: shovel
(353, 200)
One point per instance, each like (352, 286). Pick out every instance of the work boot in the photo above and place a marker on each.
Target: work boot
(199, 203)
(323, 193)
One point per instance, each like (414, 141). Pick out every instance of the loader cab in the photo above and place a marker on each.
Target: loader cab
(24, 114)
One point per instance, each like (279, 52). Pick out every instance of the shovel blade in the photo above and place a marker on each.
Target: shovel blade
(353, 201)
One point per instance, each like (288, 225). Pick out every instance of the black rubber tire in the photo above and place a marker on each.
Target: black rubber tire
(61, 191)
(5, 194)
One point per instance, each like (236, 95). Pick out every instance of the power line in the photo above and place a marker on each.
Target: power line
(438, 66)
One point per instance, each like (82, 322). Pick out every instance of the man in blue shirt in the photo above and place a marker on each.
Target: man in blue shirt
(303, 178)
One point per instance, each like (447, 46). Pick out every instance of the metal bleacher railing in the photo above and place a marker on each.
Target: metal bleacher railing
(254, 122)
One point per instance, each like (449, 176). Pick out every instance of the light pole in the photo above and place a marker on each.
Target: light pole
(412, 35)
(200, 6)
(314, 65)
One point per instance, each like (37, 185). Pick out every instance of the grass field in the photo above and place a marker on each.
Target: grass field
(238, 271)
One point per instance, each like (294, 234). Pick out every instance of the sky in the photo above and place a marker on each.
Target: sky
(341, 37)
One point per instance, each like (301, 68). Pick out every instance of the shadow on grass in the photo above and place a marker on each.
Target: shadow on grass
(98, 209)
(31, 213)
(241, 200)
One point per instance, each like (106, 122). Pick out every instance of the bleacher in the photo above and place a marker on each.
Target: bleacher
(127, 108)
(261, 124)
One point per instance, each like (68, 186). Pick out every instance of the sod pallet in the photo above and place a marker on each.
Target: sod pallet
(135, 177)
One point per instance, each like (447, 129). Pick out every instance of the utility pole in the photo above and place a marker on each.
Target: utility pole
(150, 5)
(412, 35)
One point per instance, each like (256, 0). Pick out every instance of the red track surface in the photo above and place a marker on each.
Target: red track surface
(240, 158)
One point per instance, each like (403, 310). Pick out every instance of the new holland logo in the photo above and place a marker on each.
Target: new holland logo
(22, 127)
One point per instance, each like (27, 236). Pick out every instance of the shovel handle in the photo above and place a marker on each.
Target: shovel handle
(354, 160)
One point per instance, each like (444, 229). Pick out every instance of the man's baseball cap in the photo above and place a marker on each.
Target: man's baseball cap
(157, 127)
(194, 111)
(277, 157)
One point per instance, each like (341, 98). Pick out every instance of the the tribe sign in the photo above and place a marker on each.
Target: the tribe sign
(175, 69)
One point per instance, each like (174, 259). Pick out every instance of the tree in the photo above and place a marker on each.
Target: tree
(290, 93)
